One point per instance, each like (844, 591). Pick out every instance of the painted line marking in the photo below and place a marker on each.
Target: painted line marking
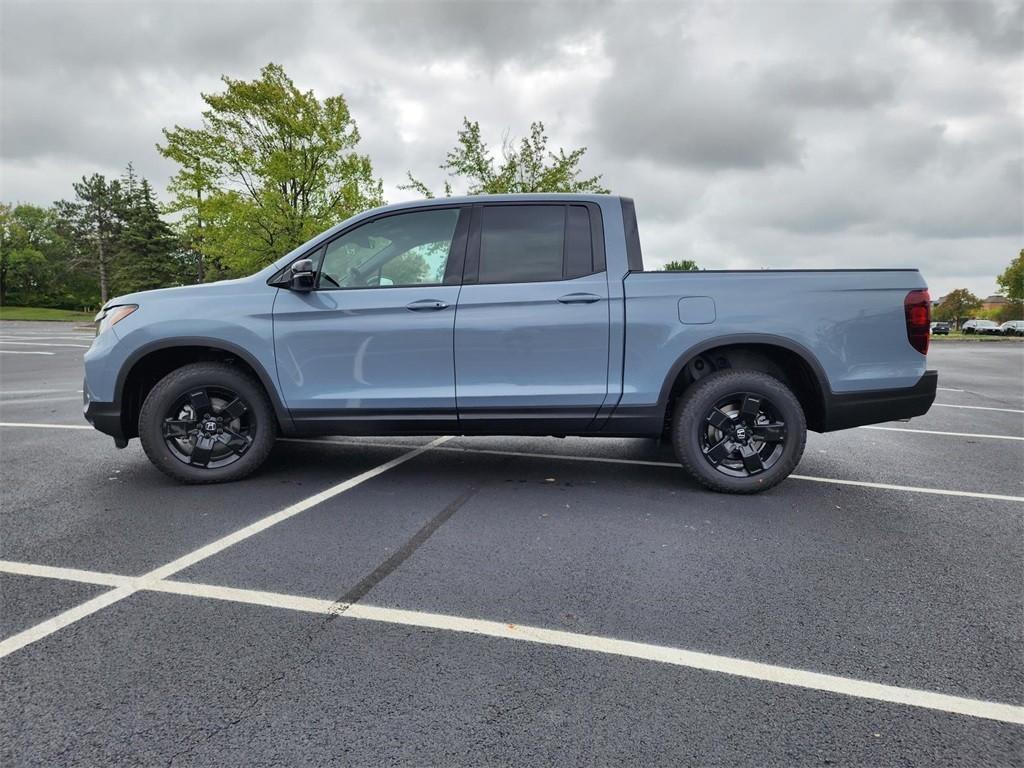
(23, 352)
(671, 465)
(42, 344)
(932, 432)
(21, 401)
(48, 627)
(28, 425)
(65, 574)
(976, 408)
(949, 389)
(680, 657)
(599, 459)
(5, 392)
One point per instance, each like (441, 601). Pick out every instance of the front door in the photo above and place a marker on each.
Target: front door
(532, 328)
(374, 341)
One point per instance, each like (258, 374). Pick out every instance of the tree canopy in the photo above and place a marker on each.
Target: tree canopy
(530, 168)
(270, 167)
(686, 265)
(957, 305)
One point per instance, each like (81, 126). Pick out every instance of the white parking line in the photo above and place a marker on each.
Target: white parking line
(43, 426)
(680, 657)
(600, 459)
(48, 627)
(672, 465)
(23, 352)
(976, 408)
(932, 432)
(42, 344)
(22, 401)
(949, 389)
(4, 392)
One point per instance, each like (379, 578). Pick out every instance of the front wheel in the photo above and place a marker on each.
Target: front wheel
(739, 431)
(207, 423)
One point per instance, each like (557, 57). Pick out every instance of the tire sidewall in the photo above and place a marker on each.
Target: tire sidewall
(700, 397)
(176, 384)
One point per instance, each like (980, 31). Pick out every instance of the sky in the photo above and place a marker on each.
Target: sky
(750, 134)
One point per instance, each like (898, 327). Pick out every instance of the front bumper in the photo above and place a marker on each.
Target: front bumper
(855, 409)
(106, 417)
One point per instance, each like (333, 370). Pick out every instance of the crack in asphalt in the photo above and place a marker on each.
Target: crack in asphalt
(338, 608)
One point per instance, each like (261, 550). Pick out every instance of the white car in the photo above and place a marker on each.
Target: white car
(1012, 328)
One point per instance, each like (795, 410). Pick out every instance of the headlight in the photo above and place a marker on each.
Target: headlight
(111, 316)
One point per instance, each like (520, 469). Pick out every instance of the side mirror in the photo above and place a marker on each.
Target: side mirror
(302, 277)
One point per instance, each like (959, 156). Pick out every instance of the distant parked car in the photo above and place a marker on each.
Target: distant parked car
(940, 329)
(981, 327)
(1012, 328)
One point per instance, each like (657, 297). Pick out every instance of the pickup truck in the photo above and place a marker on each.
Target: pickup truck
(508, 315)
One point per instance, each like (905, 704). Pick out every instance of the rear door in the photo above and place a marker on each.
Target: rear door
(532, 327)
(374, 341)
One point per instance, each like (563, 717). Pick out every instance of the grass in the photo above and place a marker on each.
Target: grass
(957, 336)
(44, 313)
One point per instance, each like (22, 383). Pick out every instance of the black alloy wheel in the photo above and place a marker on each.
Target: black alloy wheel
(209, 427)
(208, 422)
(738, 431)
(743, 434)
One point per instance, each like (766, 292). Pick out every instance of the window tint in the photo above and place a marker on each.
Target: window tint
(579, 252)
(521, 243)
(405, 249)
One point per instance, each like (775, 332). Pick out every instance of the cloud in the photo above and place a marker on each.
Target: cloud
(750, 134)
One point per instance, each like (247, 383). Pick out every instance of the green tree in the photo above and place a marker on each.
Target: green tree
(1011, 285)
(686, 265)
(93, 224)
(270, 167)
(530, 168)
(147, 248)
(957, 305)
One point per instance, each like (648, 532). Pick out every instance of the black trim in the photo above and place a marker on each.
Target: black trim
(283, 416)
(106, 417)
(634, 256)
(764, 339)
(375, 422)
(855, 409)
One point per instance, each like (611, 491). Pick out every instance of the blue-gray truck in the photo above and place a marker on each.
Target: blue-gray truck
(508, 315)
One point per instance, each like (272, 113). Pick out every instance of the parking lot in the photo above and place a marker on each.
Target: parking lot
(494, 601)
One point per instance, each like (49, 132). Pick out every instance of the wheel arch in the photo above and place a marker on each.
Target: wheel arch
(787, 360)
(151, 362)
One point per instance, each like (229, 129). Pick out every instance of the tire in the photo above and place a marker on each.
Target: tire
(231, 443)
(746, 405)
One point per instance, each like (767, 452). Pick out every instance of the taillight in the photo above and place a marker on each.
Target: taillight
(918, 310)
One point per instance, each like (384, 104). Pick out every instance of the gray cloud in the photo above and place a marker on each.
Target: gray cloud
(750, 134)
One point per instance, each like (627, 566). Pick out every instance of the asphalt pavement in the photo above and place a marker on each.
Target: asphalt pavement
(496, 601)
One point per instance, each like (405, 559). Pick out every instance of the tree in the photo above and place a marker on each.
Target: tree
(531, 168)
(147, 248)
(1011, 285)
(93, 223)
(957, 305)
(270, 167)
(686, 265)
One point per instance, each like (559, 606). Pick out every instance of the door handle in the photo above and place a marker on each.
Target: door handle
(426, 305)
(579, 298)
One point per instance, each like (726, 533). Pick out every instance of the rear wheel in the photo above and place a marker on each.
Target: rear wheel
(207, 423)
(739, 431)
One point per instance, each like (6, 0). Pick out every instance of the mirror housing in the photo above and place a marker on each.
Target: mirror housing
(302, 277)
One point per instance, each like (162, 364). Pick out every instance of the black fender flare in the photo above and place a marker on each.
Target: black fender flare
(283, 416)
(764, 339)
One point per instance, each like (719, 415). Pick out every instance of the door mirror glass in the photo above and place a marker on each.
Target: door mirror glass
(302, 278)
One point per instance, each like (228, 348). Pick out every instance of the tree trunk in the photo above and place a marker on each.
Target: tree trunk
(104, 287)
